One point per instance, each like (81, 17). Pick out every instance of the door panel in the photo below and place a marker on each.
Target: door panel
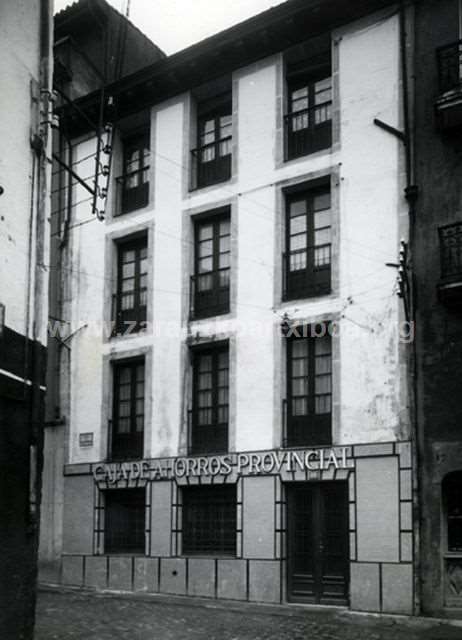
(318, 563)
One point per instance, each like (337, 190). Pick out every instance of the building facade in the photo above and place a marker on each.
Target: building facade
(238, 419)
(438, 268)
(25, 109)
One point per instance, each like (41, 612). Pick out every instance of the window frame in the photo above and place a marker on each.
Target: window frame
(215, 300)
(217, 169)
(314, 280)
(133, 319)
(217, 444)
(132, 198)
(197, 540)
(310, 428)
(131, 521)
(315, 136)
(134, 437)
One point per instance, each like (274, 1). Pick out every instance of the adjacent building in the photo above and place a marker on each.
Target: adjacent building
(25, 125)
(234, 413)
(437, 239)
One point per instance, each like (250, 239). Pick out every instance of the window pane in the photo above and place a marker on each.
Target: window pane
(321, 201)
(205, 232)
(297, 207)
(322, 345)
(323, 91)
(322, 237)
(298, 225)
(205, 248)
(298, 242)
(300, 387)
(322, 219)
(299, 407)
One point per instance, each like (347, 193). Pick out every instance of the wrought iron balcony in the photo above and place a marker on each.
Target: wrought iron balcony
(449, 102)
(129, 312)
(211, 163)
(132, 191)
(305, 431)
(450, 286)
(308, 130)
(124, 446)
(306, 273)
(206, 439)
(209, 294)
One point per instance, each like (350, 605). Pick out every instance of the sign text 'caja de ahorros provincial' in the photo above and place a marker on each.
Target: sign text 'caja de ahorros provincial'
(241, 463)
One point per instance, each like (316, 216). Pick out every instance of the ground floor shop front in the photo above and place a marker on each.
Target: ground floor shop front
(328, 526)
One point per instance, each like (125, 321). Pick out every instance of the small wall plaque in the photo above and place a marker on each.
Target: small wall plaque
(86, 439)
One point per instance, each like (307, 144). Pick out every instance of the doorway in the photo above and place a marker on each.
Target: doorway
(318, 542)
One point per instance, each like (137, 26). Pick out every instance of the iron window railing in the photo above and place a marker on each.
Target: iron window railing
(209, 520)
(132, 191)
(211, 163)
(125, 521)
(306, 272)
(449, 60)
(451, 250)
(124, 446)
(129, 312)
(308, 130)
(209, 293)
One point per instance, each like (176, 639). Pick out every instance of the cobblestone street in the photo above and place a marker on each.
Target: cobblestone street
(84, 616)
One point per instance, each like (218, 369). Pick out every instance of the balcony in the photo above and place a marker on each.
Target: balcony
(129, 312)
(306, 273)
(124, 446)
(308, 130)
(209, 294)
(132, 191)
(450, 285)
(305, 431)
(211, 163)
(206, 439)
(449, 102)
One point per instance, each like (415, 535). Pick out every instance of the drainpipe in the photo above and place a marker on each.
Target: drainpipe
(411, 191)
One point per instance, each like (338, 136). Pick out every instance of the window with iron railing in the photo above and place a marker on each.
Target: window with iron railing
(124, 521)
(126, 429)
(210, 282)
(449, 60)
(130, 301)
(308, 407)
(211, 160)
(451, 251)
(209, 520)
(308, 123)
(208, 429)
(133, 184)
(307, 259)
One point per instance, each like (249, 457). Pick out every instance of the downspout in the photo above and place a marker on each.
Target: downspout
(407, 50)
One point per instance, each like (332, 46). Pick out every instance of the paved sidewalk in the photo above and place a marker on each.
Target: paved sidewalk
(77, 615)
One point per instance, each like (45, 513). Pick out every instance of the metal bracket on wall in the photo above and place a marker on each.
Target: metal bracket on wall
(387, 127)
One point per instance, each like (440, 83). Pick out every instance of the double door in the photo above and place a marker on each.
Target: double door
(318, 542)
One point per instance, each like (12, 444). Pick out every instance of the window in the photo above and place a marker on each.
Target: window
(133, 185)
(210, 283)
(309, 117)
(309, 388)
(209, 520)
(209, 428)
(452, 494)
(128, 411)
(131, 297)
(307, 260)
(124, 521)
(212, 158)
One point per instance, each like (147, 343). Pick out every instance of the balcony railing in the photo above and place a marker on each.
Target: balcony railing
(305, 431)
(132, 191)
(308, 130)
(206, 438)
(124, 446)
(209, 294)
(451, 251)
(211, 163)
(129, 312)
(450, 66)
(306, 273)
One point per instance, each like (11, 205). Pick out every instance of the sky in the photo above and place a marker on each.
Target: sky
(176, 24)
